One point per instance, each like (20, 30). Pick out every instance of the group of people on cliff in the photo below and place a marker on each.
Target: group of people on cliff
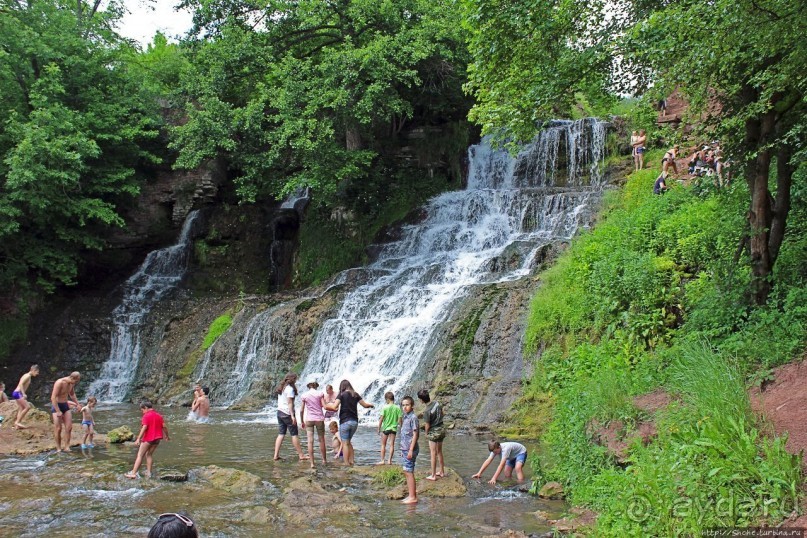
(705, 160)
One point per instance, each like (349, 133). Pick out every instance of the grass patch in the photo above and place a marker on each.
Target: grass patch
(390, 477)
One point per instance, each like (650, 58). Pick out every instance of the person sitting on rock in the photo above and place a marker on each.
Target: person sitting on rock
(3, 397)
(336, 442)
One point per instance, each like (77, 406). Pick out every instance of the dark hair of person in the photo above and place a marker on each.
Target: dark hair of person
(145, 404)
(423, 396)
(493, 445)
(206, 390)
(409, 398)
(170, 526)
(313, 385)
(290, 379)
(390, 397)
(345, 386)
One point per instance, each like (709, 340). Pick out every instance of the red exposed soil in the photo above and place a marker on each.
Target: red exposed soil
(614, 436)
(783, 405)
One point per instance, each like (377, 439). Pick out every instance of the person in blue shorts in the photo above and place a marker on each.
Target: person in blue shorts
(410, 431)
(513, 457)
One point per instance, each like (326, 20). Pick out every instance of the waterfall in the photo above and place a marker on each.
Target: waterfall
(254, 351)
(160, 273)
(512, 207)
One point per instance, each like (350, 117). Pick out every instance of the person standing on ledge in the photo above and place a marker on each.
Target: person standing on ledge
(21, 398)
(64, 390)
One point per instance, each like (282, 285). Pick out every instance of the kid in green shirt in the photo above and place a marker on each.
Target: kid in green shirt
(387, 426)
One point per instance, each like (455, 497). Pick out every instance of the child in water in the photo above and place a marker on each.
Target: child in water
(87, 422)
(388, 426)
(513, 457)
(152, 432)
(336, 442)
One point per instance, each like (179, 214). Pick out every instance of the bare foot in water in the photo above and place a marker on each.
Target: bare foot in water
(278, 458)
(382, 462)
(409, 500)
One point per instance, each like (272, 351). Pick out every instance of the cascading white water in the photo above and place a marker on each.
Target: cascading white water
(254, 351)
(384, 327)
(161, 272)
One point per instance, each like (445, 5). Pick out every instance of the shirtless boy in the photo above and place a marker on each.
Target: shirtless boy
(201, 404)
(64, 389)
(20, 396)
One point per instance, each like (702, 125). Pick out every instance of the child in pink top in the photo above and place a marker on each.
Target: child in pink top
(313, 416)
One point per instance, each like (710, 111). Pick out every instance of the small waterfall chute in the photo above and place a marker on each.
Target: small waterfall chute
(159, 274)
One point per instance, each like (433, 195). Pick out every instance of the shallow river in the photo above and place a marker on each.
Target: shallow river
(84, 493)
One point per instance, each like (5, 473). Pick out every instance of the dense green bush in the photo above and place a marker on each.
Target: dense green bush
(655, 296)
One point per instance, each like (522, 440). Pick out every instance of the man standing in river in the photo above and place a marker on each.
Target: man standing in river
(64, 389)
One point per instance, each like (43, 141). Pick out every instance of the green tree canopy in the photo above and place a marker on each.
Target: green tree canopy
(295, 93)
(70, 139)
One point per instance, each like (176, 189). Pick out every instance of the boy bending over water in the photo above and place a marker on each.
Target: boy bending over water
(513, 457)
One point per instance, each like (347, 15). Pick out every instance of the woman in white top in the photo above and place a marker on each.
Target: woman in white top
(286, 417)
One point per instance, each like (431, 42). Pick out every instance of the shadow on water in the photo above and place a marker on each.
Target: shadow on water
(84, 493)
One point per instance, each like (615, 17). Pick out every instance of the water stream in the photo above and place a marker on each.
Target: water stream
(161, 272)
(512, 207)
(84, 493)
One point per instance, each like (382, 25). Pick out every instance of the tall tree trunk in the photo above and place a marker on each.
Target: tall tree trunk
(353, 138)
(781, 204)
(760, 216)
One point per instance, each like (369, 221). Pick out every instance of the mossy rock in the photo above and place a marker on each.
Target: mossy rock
(120, 435)
(230, 480)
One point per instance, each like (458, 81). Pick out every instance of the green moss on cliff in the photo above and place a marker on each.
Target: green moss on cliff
(466, 331)
(219, 326)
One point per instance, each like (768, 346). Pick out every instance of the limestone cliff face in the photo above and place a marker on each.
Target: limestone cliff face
(477, 364)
